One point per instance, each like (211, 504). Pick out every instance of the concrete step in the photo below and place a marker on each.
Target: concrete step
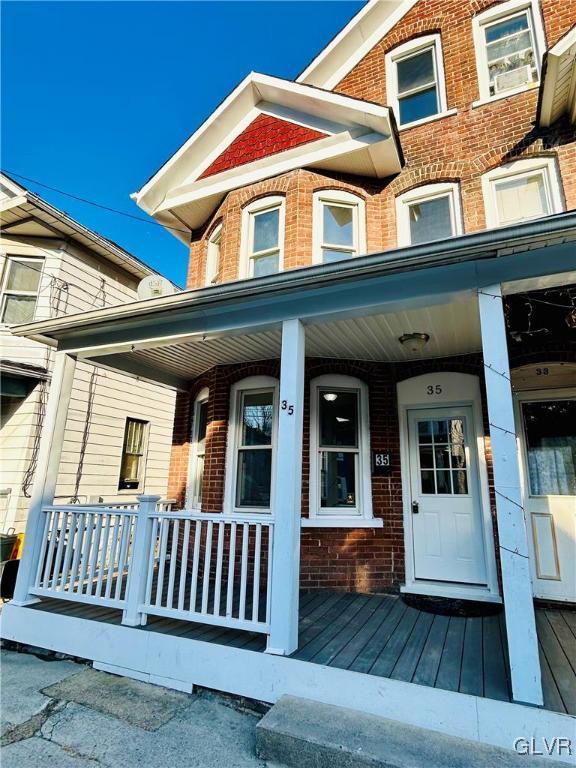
(307, 734)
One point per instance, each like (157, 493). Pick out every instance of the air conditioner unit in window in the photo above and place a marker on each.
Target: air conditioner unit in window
(515, 78)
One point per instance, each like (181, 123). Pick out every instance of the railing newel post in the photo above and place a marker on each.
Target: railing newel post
(137, 564)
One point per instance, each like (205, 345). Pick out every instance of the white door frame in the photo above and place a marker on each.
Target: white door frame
(530, 396)
(442, 390)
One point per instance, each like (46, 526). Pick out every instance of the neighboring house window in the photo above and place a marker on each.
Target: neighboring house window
(339, 226)
(525, 189)
(251, 445)
(133, 455)
(198, 450)
(20, 289)
(213, 256)
(415, 80)
(509, 40)
(428, 213)
(340, 479)
(263, 237)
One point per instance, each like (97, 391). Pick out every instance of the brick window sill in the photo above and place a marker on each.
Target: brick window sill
(339, 522)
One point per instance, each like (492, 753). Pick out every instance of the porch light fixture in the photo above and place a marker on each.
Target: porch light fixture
(414, 342)
(330, 396)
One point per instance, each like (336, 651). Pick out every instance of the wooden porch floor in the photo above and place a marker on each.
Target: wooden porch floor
(381, 635)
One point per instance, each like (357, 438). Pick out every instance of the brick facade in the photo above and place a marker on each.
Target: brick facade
(459, 148)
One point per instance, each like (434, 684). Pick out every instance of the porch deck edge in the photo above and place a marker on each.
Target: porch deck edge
(179, 662)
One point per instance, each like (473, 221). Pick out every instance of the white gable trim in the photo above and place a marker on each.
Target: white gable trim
(354, 42)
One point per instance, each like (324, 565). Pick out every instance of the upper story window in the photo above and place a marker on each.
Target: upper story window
(428, 213)
(525, 189)
(213, 256)
(263, 237)
(251, 444)
(20, 289)
(415, 80)
(339, 226)
(133, 455)
(198, 450)
(509, 41)
(340, 482)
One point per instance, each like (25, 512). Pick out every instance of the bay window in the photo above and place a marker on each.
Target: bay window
(339, 224)
(263, 237)
(251, 445)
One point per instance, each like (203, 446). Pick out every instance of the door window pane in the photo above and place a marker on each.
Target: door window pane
(442, 456)
(430, 220)
(522, 197)
(254, 478)
(338, 418)
(550, 428)
(257, 415)
(338, 479)
(266, 230)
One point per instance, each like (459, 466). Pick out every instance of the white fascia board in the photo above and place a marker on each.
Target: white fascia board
(354, 42)
(12, 202)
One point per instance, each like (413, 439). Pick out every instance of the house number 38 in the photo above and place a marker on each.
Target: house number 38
(287, 407)
(434, 389)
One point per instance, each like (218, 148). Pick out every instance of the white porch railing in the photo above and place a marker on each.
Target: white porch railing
(144, 559)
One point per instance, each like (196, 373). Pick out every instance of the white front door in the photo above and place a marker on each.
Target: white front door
(548, 430)
(447, 527)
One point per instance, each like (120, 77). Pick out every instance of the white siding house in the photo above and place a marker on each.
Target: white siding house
(51, 266)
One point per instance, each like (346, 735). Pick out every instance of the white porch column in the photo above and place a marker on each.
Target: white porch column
(286, 503)
(46, 472)
(514, 552)
(138, 564)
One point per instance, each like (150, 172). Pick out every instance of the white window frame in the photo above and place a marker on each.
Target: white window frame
(213, 247)
(344, 199)
(406, 51)
(421, 195)
(143, 456)
(248, 214)
(363, 509)
(498, 13)
(546, 165)
(251, 384)
(9, 259)
(193, 499)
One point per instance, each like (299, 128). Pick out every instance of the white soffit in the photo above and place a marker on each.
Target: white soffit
(354, 42)
(559, 86)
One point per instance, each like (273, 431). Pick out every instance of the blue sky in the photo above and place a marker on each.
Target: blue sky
(96, 96)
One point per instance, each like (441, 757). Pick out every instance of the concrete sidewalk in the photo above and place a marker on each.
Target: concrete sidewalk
(67, 715)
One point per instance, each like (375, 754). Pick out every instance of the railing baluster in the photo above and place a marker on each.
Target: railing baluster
(69, 551)
(173, 559)
(41, 559)
(103, 556)
(256, 575)
(152, 560)
(244, 570)
(113, 555)
(207, 563)
(127, 523)
(80, 529)
(94, 556)
(219, 558)
(184, 566)
(86, 548)
(269, 574)
(164, 525)
(231, 570)
(195, 564)
(50, 556)
(59, 551)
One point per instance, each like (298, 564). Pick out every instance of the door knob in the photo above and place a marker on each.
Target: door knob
(415, 508)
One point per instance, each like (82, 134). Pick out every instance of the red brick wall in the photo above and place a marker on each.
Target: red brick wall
(457, 148)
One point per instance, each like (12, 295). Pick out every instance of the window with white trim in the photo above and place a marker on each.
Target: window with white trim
(20, 288)
(415, 80)
(339, 224)
(133, 462)
(263, 237)
(340, 472)
(198, 450)
(251, 445)
(509, 41)
(427, 213)
(213, 256)
(522, 190)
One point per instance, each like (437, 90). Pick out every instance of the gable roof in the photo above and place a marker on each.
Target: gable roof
(24, 213)
(349, 136)
(357, 38)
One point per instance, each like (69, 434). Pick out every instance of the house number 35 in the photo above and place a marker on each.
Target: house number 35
(434, 389)
(287, 407)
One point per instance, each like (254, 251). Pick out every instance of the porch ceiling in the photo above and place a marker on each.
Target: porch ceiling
(453, 328)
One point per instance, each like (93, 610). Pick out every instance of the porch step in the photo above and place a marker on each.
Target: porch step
(307, 734)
